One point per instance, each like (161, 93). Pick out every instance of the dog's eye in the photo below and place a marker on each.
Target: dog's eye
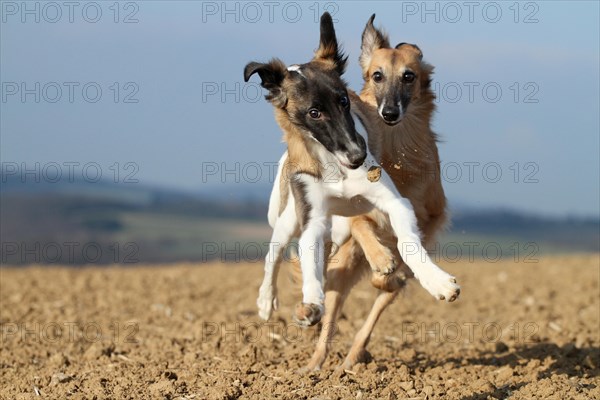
(408, 77)
(344, 101)
(377, 76)
(314, 113)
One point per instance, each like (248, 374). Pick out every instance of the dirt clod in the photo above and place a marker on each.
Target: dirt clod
(374, 173)
(59, 378)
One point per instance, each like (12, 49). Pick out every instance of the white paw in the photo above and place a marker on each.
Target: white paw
(440, 284)
(267, 302)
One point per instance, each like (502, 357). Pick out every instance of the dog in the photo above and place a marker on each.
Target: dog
(313, 108)
(410, 156)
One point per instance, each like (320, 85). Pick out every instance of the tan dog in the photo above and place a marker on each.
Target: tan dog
(397, 89)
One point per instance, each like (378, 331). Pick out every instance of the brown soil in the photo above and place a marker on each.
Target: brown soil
(519, 331)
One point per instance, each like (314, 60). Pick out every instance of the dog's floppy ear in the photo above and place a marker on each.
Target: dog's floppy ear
(412, 47)
(272, 75)
(372, 39)
(329, 51)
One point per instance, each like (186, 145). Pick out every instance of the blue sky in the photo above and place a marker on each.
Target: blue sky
(518, 87)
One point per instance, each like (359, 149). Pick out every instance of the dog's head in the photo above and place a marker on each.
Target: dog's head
(314, 97)
(394, 77)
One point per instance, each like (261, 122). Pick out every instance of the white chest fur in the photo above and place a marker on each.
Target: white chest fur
(344, 187)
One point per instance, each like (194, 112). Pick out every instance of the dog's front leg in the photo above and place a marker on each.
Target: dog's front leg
(315, 223)
(436, 281)
(284, 228)
(340, 231)
(380, 258)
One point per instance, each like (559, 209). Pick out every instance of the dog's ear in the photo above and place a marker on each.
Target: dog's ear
(372, 39)
(272, 75)
(413, 47)
(329, 52)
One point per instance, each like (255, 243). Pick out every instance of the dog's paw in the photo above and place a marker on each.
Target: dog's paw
(355, 357)
(315, 363)
(308, 314)
(266, 302)
(382, 261)
(389, 283)
(440, 285)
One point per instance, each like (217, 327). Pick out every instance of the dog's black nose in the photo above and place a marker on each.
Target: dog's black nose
(390, 114)
(357, 159)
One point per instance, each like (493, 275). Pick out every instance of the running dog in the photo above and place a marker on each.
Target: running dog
(397, 89)
(333, 174)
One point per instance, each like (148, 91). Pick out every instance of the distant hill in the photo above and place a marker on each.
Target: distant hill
(77, 223)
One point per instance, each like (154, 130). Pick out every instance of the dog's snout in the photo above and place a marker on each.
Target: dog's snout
(390, 114)
(357, 158)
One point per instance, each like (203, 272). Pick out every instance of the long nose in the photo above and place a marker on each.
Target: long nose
(390, 113)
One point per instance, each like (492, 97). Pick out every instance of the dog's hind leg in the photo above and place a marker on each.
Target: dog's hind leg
(358, 351)
(334, 301)
(285, 228)
(344, 270)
